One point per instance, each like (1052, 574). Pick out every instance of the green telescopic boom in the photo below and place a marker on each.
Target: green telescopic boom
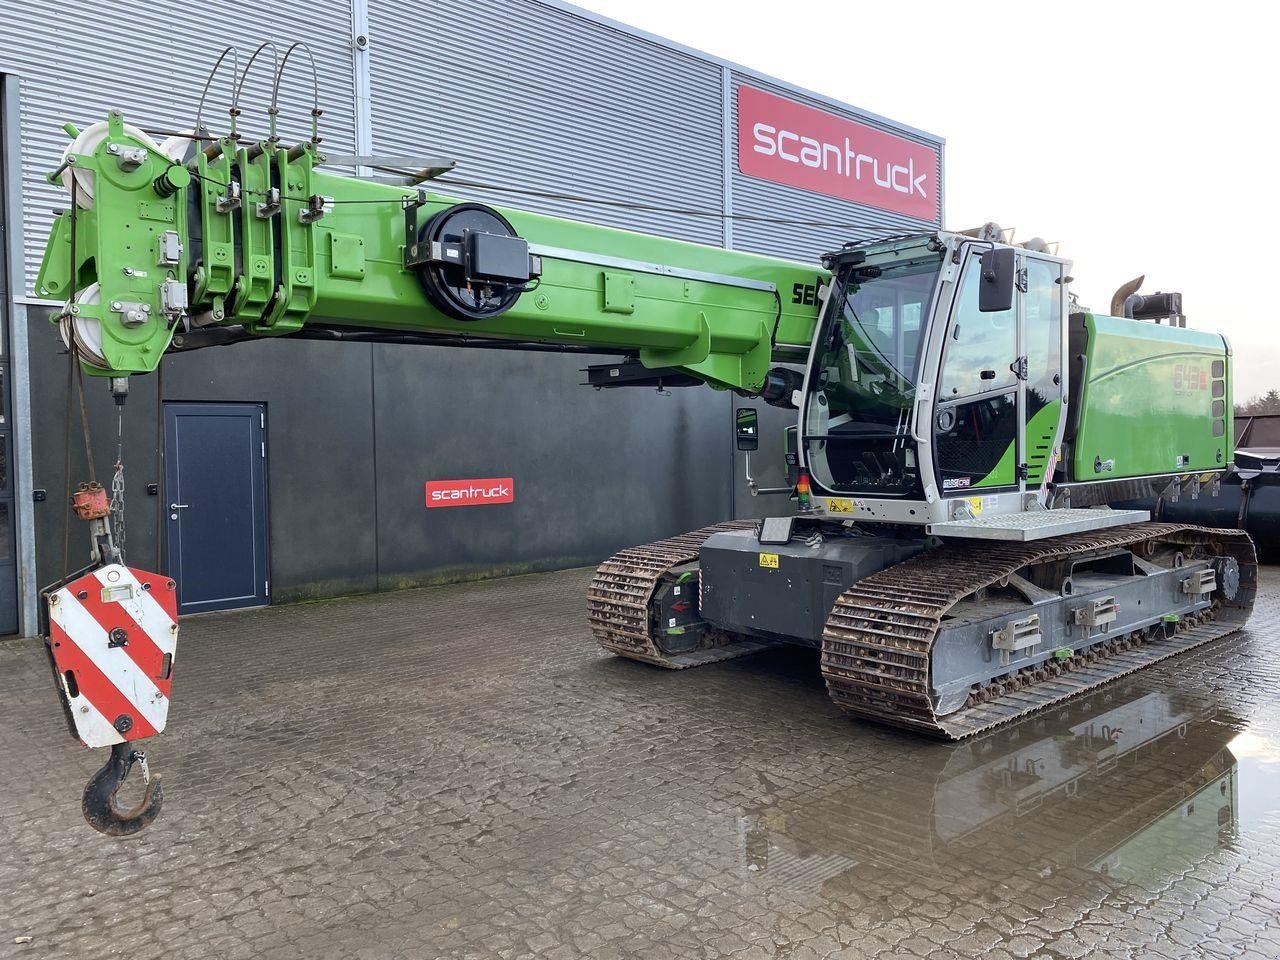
(259, 239)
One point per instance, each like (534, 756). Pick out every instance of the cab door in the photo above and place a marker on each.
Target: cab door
(977, 417)
(999, 394)
(1042, 334)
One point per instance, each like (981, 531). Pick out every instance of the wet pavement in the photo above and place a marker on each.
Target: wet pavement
(458, 772)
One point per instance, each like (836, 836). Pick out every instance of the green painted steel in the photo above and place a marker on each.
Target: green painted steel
(1155, 400)
(117, 246)
(214, 276)
(272, 271)
(1005, 472)
(1040, 432)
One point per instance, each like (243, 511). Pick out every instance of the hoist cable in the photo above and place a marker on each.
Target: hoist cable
(71, 365)
(274, 109)
(235, 70)
(116, 504)
(159, 460)
(244, 75)
(66, 469)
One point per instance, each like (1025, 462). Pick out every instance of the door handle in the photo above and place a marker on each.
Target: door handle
(179, 506)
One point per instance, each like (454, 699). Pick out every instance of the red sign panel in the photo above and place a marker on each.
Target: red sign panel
(786, 142)
(470, 493)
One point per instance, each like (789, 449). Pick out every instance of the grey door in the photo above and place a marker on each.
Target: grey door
(215, 499)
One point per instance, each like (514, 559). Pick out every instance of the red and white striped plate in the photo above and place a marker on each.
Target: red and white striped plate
(113, 633)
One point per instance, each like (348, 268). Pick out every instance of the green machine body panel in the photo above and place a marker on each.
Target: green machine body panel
(1152, 399)
(277, 244)
(1040, 433)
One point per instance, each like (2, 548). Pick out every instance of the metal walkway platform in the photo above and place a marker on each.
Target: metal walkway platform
(1036, 525)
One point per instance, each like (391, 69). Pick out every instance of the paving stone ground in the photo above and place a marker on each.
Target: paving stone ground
(459, 772)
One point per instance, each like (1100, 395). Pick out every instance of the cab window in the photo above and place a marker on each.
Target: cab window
(980, 346)
(1042, 311)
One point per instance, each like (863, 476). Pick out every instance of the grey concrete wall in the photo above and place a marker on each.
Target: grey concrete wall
(320, 456)
(768, 465)
(355, 430)
(593, 470)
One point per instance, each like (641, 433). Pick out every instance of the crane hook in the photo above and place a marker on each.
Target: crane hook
(99, 804)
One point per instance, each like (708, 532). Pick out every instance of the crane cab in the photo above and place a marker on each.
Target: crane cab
(951, 378)
(937, 376)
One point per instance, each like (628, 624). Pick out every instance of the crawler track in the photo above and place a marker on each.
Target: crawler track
(877, 650)
(619, 595)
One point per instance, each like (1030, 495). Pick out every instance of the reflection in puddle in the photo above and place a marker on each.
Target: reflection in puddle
(1259, 777)
(1128, 783)
(764, 847)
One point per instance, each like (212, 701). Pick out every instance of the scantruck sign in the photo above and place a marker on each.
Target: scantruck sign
(789, 143)
(470, 493)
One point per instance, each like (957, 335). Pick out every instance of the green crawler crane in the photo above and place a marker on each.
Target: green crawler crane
(961, 426)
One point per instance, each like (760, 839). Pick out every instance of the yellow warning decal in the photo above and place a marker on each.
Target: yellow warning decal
(976, 504)
(839, 505)
(769, 560)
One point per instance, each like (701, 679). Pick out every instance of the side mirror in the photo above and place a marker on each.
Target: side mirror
(747, 428)
(995, 291)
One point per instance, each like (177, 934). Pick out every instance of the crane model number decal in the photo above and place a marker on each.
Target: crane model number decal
(1189, 379)
(470, 493)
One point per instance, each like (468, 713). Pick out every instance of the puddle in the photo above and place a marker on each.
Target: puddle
(1258, 774)
(1128, 783)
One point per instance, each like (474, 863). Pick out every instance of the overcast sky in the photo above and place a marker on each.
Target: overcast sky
(1140, 136)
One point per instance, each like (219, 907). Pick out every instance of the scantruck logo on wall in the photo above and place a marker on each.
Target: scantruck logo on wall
(786, 142)
(470, 493)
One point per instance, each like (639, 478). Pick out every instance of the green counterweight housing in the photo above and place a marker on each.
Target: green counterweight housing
(165, 239)
(1149, 399)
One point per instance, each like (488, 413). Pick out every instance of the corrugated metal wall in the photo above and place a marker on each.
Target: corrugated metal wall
(77, 61)
(544, 100)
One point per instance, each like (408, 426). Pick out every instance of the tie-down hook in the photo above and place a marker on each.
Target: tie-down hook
(99, 803)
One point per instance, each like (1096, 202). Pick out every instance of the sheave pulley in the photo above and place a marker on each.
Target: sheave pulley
(470, 261)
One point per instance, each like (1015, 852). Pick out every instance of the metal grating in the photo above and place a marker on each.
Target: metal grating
(1038, 524)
